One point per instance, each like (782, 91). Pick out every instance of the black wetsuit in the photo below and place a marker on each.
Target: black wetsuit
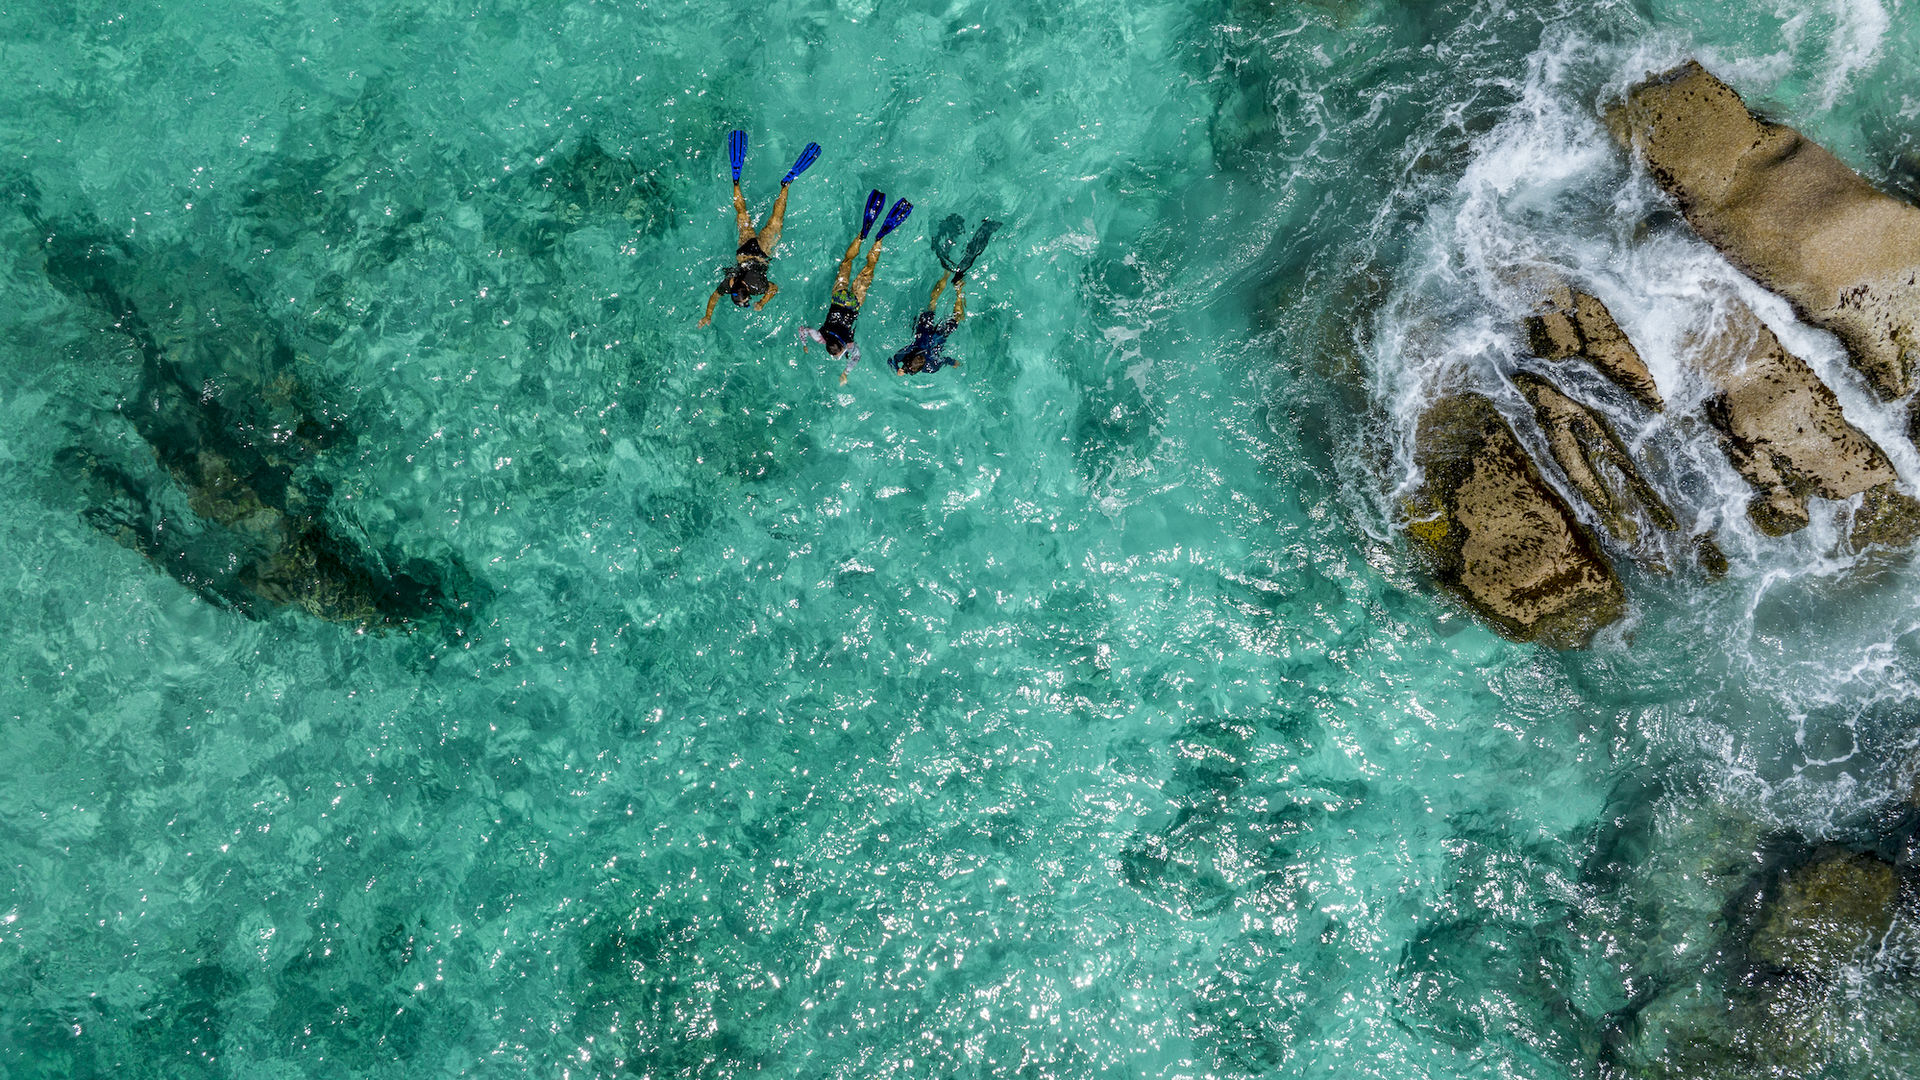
(747, 277)
(837, 331)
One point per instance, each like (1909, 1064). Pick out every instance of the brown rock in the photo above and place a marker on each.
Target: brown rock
(1782, 428)
(1595, 462)
(1500, 537)
(1576, 324)
(1788, 213)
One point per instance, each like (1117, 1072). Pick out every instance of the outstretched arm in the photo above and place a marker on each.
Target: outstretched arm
(853, 357)
(771, 289)
(711, 300)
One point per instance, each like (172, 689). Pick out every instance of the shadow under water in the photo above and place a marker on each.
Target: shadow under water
(237, 511)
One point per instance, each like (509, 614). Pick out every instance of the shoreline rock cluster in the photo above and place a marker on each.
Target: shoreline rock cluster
(1797, 221)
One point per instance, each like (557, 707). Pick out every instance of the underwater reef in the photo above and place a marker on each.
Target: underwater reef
(233, 499)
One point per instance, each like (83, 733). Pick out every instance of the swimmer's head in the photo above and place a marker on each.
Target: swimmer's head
(746, 283)
(914, 364)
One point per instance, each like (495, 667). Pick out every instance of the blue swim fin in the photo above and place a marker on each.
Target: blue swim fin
(895, 218)
(875, 200)
(975, 246)
(737, 152)
(945, 237)
(807, 157)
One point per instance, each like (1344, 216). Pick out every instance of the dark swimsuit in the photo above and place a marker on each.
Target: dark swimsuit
(748, 274)
(837, 331)
(930, 339)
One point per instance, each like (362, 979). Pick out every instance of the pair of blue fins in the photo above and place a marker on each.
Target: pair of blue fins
(737, 157)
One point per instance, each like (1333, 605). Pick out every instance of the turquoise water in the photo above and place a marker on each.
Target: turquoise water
(1073, 713)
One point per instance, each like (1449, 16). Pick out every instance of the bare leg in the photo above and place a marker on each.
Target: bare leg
(865, 279)
(846, 265)
(940, 287)
(770, 232)
(741, 219)
(959, 299)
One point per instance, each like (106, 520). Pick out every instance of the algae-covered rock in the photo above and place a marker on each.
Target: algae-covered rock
(1820, 915)
(1595, 462)
(1788, 213)
(1709, 557)
(1887, 517)
(1577, 324)
(1498, 536)
(1772, 1009)
(1782, 428)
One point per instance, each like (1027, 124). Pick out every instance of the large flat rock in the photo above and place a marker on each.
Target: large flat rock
(1498, 536)
(1788, 213)
(1783, 430)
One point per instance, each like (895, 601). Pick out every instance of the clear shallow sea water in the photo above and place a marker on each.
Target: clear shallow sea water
(1073, 713)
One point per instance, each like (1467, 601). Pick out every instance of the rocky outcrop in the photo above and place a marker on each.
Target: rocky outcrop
(1498, 536)
(1595, 462)
(1783, 430)
(1788, 213)
(1575, 324)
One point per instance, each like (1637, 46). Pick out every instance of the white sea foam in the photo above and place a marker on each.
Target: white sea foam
(1860, 29)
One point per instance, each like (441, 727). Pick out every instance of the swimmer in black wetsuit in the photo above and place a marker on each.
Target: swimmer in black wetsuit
(928, 352)
(850, 292)
(747, 277)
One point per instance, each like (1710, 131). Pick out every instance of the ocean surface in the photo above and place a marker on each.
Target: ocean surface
(1076, 712)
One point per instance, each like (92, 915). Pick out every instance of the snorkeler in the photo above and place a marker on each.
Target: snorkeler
(837, 332)
(927, 353)
(747, 277)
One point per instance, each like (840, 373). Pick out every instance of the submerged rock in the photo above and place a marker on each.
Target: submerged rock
(1595, 462)
(1577, 324)
(1783, 430)
(1818, 916)
(580, 187)
(235, 436)
(1788, 213)
(587, 181)
(1500, 537)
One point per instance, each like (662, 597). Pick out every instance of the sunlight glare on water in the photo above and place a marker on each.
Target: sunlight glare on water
(1073, 712)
